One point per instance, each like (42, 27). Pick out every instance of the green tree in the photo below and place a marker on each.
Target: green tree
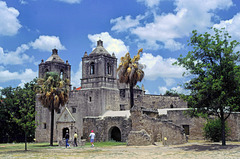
(215, 74)
(130, 72)
(212, 130)
(172, 93)
(24, 100)
(53, 92)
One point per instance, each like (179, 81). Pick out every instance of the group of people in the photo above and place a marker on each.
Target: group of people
(91, 136)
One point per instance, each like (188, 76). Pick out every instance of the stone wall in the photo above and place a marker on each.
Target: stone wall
(180, 118)
(103, 127)
(160, 102)
(233, 123)
(156, 128)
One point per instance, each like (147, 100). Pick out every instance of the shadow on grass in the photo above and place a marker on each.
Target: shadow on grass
(18, 152)
(207, 147)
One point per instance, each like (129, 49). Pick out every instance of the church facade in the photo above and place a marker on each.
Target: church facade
(102, 104)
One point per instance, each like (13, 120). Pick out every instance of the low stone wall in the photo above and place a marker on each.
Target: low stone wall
(140, 138)
(156, 128)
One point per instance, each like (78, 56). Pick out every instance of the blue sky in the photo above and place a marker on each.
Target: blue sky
(30, 29)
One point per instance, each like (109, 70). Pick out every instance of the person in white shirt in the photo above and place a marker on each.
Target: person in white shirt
(92, 136)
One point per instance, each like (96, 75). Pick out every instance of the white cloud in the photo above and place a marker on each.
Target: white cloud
(162, 90)
(188, 15)
(70, 1)
(157, 66)
(181, 90)
(77, 76)
(9, 24)
(23, 2)
(123, 24)
(15, 57)
(26, 76)
(169, 81)
(232, 26)
(47, 43)
(150, 3)
(110, 44)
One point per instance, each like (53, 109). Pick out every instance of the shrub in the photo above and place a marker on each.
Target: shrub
(213, 131)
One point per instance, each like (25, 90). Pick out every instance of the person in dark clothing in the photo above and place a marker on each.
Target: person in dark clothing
(67, 138)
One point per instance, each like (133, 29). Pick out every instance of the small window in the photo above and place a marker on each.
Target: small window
(92, 69)
(74, 110)
(90, 99)
(186, 129)
(122, 107)
(61, 75)
(108, 69)
(122, 93)
(44, 126)
(171, 106)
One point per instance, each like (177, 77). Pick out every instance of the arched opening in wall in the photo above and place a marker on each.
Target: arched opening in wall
(92, 69)
(115, 134)
(64, 131)
(61, 75)
(108, 69)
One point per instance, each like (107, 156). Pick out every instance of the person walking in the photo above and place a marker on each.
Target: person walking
(67, 138)
(75, 139)
(92, 136)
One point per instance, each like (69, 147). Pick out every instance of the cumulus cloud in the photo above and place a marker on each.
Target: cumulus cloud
(9, 24)
(123, 24)
(15, 57)
(231, 25)
(162, 90)
(70, 1)
(76, 76)
(47, 43)
(166, 28)
(27, 75)
(111, 44)
(181, 90)
(157, 66)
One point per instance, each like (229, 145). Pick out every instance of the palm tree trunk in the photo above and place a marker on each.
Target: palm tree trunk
(131, 96)
(52, 124)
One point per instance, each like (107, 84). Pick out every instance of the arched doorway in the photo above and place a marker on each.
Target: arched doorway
(115, 134)
(65, 130)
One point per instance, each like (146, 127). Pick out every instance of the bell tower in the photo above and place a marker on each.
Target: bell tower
(99, 81)
(55, 64)
(99, 68)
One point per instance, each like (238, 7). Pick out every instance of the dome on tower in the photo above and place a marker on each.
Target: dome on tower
(99, 50)
(54, 57)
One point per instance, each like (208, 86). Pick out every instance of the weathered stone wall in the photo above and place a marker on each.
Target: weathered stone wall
(156, 128)
(102, 127)
(160, 102)
(180, 118)
(233, 123)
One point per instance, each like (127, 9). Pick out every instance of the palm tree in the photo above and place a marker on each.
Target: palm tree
(130, 72)
(53, 92)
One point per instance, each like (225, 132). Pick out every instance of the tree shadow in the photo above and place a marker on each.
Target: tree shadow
(207, 147)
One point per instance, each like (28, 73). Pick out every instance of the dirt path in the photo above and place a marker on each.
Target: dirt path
(186, 151)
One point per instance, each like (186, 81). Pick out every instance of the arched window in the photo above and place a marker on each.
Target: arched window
(92, 69)
(108, 69)
(61, 74)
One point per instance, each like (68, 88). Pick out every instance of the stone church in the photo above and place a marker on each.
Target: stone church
(101, 104)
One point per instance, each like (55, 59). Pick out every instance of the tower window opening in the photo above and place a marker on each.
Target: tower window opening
(92, 69)
(61, 75)
(108, 69)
